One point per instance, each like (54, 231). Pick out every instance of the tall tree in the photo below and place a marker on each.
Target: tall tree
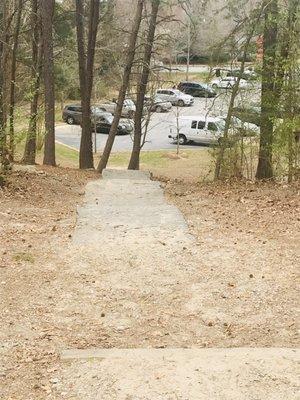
(142, 87)
(4, 38)
(17, 27)
(47, 14)
(251, 24)
(124, 86)
(36, 66)
(269, 91)
(86, 67)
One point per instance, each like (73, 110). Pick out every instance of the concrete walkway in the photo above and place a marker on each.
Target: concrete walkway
(142, 258)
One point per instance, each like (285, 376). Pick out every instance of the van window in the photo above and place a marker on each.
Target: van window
(201, 124)
(194, 125)
(212, 126)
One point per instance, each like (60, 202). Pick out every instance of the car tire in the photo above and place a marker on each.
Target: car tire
(158, 109)
(70, 121)
(180, 103)
(182, 139)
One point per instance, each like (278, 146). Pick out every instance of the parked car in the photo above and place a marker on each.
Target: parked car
(197, 89)
(104, 122)
(199, 129)
(245, 128)
(250, 114)
(248, 74)
(127, 111)
(157, 104)
(175, 97)
(228, 82)
(72, 113)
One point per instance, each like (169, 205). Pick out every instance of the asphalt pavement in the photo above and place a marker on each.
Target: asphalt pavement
(161, 125)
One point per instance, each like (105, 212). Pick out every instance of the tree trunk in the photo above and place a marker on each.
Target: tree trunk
(134, 162)
(13, 79)
(5, 19)
(223, 144)
(289, 65)
(124, 86)
(268, 92)
(86, 66)
(36, 69)
(2, 129)
(47, 13)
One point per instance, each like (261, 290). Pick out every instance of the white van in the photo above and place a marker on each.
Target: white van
(199, 129)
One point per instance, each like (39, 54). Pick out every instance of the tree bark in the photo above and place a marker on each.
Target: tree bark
(47, 13)
(125, 83)
(289, 60)
(268, 92)
(2, 129)
(134, 162)
(5, 23)
(223, 144)
(86, 66)
(36, 70)
(13, 79)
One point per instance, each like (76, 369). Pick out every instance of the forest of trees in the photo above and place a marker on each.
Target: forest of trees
(51, 51)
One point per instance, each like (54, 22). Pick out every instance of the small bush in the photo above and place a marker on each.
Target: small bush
(24, 257)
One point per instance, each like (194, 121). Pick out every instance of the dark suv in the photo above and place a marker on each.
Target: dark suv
(72, 114)
(197, 89)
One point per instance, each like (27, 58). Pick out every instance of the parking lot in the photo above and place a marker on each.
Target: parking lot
(161, 125)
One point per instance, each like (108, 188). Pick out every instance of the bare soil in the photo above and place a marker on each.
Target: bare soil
(37, 217)
(247, 249)
(248, 240)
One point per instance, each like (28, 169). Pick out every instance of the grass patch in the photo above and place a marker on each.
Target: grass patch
(148, 158)
(24, 257)
(66, 157)
(175, 77)
(189, 165)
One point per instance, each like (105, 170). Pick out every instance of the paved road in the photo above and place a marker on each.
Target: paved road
(192, 68)
(160, 126)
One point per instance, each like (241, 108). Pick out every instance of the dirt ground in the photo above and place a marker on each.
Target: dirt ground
(248, 252)
(248, 234)
(37, 215)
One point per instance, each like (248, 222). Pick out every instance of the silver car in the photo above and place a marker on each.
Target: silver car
(157, 104)
(176, 97)
(127, 111)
